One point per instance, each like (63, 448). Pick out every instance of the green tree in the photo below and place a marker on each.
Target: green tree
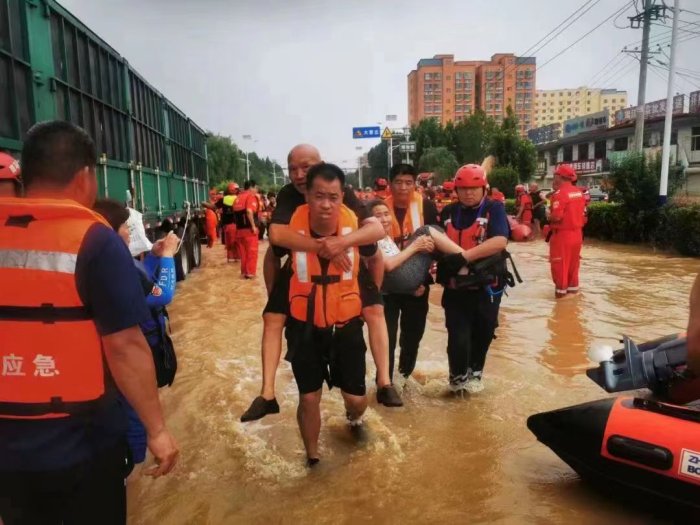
(505, 179)
(512, 150)
(473, 137)
(427, 134)
(224, 164)
(440, 161)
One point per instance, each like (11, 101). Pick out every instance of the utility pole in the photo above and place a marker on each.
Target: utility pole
(666, 151)
(641, 96)
(650, 13)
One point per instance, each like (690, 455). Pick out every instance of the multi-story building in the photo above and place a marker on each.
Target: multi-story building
(557, 105)
(450, 90)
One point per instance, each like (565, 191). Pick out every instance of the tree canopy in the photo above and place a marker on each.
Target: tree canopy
(469, 141)
(227, 163)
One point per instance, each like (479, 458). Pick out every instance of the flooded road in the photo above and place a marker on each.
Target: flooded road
(436, 460)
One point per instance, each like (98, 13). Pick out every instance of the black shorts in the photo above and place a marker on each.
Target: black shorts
(278, 301)
(336, 356)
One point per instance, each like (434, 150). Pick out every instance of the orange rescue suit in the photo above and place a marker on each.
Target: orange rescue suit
(50, 350)
(568, 217)
(330, 297)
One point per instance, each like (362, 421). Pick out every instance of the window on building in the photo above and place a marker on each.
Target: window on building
(553, 157)
(620, 144)
(694, 139)
(583, 151)
(614, 101)
(600, 149)
(568, 153)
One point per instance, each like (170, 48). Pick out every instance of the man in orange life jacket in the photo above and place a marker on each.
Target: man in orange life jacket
(211, 219)
(245, 210)
(567, 219)
(324, 329)
(10, 185)
(70, 303)
(282, 238)
(228, 221)
(410, 211)
(497, 195)
(524, 203)
(380, 188)
(479, 225)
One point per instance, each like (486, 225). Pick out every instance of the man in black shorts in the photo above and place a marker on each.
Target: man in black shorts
(300, 159)
(324, 328)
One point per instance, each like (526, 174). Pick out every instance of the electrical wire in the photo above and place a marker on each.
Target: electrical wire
(535, 49)
(626, 6)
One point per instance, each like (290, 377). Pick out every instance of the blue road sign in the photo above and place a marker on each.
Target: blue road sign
(368, 132)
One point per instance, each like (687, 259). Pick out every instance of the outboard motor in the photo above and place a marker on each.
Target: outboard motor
(651, 365)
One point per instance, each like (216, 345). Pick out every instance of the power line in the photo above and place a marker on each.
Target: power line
(626, 6)
(614, 75)
(535, 49)
(597, 76)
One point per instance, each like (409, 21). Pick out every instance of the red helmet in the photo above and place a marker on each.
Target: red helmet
(381, 183)
(470, 176)
(9, 167)
(232, 187)
(566, 171)
(448, 185)
(519, 189)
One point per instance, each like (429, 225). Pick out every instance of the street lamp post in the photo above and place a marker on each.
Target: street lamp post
(247, 162)
(359, 166)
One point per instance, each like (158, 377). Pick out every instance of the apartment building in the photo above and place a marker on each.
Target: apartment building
(557, 105)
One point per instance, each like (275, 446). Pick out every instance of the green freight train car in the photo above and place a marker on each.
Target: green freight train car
(151, 155)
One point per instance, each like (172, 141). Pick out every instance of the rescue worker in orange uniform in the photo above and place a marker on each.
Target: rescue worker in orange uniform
(497, 195)
(381, 190)
(10, 181)
(410, 210)
(228, 221)
(245, 210)
(324, 330)
(473, 286)
(567, 218)
(524, 204)
(211, 219)
(71, 304)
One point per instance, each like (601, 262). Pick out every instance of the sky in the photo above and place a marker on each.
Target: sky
(292, 71)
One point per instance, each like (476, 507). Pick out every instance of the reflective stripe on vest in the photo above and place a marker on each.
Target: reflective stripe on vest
(38, 260)
(51, 361)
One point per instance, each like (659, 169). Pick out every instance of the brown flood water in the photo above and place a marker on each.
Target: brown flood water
(438, 459)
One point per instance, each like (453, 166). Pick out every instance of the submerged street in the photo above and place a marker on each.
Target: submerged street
(438, 458)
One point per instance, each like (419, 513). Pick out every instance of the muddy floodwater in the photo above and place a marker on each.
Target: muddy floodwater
(438, 459)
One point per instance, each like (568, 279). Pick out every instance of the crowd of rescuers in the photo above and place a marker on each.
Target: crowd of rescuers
(82, 338)
(349, 262)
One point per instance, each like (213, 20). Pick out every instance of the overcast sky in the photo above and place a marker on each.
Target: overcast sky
(290, 71)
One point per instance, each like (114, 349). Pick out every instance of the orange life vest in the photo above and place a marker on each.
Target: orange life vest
(51, 362)
(678, 439)
(338, 299)
(411, 221)
(473, 235)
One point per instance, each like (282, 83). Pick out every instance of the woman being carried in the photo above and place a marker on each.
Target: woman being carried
(405, 270)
